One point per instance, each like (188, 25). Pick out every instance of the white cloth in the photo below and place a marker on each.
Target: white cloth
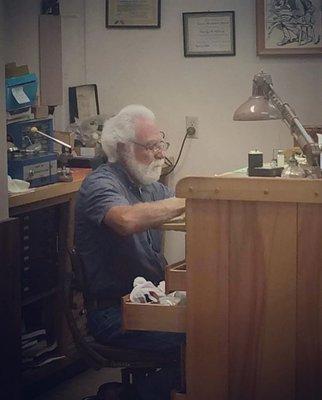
(17, 185)
(144, 290)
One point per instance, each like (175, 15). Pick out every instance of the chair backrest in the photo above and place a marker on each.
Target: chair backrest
(95, 354)
(74, 282)
(77, 279)
(78, 270)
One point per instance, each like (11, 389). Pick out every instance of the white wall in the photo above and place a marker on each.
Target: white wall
(3, 155)
(148, 67)
(73, 47)
(21, 24)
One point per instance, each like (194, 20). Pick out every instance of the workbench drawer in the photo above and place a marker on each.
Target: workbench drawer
(152, 317)
(175, 277)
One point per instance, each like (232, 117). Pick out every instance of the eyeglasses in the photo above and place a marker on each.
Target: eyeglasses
(154, 147)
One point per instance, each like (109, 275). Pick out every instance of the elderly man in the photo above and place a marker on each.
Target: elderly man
(119, 208)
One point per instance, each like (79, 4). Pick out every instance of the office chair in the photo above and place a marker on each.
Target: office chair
(133, 363)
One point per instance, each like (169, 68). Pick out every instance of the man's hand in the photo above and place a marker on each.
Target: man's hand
(126, 220)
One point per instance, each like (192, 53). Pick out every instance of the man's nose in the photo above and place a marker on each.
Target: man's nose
(160, 154)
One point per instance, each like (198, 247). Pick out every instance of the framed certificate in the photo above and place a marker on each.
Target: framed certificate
(133, 13)
(209, 34)
(83, 102)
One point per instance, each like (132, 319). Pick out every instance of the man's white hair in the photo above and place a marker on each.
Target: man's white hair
(121, 128)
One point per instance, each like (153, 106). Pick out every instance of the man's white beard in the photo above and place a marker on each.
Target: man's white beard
(144, 174)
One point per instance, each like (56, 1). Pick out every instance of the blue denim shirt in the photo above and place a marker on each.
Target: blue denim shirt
(113, 261)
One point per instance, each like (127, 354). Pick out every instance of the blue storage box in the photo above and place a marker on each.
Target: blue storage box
(21, 92)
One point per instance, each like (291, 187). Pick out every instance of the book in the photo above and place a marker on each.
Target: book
(38, 347)
(33, 334)
(29, 344)
(47, 361)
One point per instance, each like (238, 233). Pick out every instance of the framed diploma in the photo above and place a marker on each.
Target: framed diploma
(133, 13)
(209, 34)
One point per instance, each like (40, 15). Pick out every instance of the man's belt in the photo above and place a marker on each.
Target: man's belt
(101, 304)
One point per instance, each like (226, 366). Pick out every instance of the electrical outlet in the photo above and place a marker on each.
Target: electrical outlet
(192, 125)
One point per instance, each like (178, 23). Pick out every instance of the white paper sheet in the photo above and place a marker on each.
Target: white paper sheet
(19, 94)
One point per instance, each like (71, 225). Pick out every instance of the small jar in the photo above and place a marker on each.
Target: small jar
(280, 158)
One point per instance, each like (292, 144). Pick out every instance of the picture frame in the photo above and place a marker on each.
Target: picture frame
(129, 14)
(209, 34)
(286, 27)
(83, 102)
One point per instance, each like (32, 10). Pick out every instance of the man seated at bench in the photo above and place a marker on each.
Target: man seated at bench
(119, 208)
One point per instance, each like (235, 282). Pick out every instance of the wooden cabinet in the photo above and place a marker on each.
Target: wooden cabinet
(254, 288)
(9, 308)
(42, 302)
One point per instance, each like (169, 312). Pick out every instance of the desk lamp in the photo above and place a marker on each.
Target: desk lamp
(64, 176)
(265, 104)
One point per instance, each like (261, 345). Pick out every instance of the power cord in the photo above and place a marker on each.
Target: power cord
(190, 131)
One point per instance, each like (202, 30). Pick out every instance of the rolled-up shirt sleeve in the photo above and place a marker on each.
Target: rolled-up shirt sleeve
(98, 196)
(168, 192)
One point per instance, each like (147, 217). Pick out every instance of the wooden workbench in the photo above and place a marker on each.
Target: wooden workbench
(254, 287)
(253, 278)
(55, 193)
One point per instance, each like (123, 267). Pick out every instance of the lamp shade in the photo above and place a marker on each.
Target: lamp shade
(256, 108)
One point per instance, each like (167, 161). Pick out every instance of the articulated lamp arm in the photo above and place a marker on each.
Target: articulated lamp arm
(262, 85)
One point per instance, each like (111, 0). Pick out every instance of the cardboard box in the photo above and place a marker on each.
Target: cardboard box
(40, 112)
(12, 70)
(67, 137)
(85, 151)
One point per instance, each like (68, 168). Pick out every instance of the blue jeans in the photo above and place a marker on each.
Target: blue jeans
(106, 327)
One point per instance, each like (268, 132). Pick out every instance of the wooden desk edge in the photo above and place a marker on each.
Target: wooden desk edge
(49, 191)
(230, 187)
(174, 226)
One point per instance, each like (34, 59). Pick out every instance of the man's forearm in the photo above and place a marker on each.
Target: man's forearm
(126, 220)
